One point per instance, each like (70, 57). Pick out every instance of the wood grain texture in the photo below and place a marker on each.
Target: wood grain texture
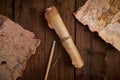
(93, 50)
(102, 61)
(83, 42)
(112, 64)
(30, 15)
(6, 8)
(98, 54)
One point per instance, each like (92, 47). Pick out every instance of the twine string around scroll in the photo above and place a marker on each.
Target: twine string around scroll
(66, 38)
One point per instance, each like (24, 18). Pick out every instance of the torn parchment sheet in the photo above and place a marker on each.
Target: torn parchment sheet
(102, 16)
(16, 47)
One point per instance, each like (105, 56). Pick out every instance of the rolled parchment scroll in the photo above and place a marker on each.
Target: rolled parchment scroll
(55, 22)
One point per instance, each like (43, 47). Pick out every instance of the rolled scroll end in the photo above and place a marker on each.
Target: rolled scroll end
(73, 52)
(78, 65)
(55, 22)
(50, 15)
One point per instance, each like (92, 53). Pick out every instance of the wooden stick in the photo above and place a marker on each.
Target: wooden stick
(50, 60)
(55, 22)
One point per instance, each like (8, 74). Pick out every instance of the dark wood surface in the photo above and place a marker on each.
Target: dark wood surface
(102, 61)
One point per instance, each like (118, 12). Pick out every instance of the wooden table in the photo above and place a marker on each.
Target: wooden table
(102, 61)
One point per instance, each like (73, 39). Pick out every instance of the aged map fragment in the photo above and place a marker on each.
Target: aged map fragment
(102, 16)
